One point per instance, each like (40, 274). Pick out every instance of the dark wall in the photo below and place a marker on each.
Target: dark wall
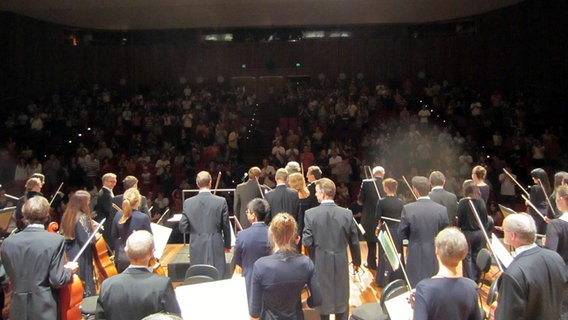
(521, 46)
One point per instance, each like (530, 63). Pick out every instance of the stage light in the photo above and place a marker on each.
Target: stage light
(298, 65)
(243, 66)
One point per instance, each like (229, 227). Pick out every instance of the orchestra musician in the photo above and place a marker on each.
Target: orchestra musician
(278, 279)
(35, 262)
(33, 188)
(77, 227)
(206, 218)
(127, 183)
(137, 292)
(369, 194)
(104, 206)
(244, 193)
(125, 223)
(539, 193)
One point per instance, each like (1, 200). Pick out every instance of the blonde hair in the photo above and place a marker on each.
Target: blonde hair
(282, 232)
(478, 174)
(297, 182)
(130, 202)
(78, 204)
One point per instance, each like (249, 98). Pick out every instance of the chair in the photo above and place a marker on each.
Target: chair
(197, 279)
(202, 270)
(483, 262)
(377, 311)
(88, 307)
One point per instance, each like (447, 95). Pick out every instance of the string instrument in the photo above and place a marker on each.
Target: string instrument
(157, 268)
(71, 295)
(103, 261)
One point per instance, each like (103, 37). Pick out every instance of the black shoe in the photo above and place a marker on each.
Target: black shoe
(370, 266)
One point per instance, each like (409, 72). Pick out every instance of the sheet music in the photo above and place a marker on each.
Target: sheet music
(176, 217)
(399, 307)
(500, 251)
(161, 236)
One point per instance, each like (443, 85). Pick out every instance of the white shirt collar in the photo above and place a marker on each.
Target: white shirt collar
(327, 201)
(425, 197)
(524, 248)
(437, 188)
(140, 267)
(37, 226)
(205, 191)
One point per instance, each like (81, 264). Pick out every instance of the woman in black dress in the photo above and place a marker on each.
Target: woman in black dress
(305, 202)
(478, 175)
(77, 227)
(539, 192)
(125, 223)
(389, 207)
(470, 227)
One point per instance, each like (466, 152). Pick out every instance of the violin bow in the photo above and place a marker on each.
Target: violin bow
(88, 242)
(217, 183)
(55, 194)
(534, 207)
(409, 187)
(515, 181)
(546, 196)
(482, 228)
(374, 183)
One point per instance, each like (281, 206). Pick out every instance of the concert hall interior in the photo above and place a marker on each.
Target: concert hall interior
(374, 124)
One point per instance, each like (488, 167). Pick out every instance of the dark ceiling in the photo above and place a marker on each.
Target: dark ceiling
(128, 15)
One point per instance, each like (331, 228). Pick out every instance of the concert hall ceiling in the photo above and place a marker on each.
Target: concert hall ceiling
(128, 15)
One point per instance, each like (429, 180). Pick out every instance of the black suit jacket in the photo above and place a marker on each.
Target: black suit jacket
(533, 286)
(448, 200)
(104, 210)
(368, 197)
(134, 294)
(34, 260)
(282, 199)
(143, 204)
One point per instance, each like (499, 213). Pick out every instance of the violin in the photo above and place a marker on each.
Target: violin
(156, 266)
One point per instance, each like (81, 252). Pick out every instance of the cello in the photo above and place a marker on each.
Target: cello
(71, 295)
(103, 261)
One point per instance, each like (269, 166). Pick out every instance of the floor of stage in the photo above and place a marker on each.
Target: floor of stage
(362, 287)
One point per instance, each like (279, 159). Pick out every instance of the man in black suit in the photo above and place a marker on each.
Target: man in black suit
(329, 229)
(533, 285)
(312, 174)
(439, 195)
(35, 262)
(420, 221)
(104, 206)
(371, 191)
(33, 189)
(128, 183)
(282, 198)
(244, 193)
(206, 218)
(136, 292)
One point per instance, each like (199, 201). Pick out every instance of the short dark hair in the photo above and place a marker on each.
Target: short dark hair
(315, 171)
(259, 207)
(437, 178)
(421, 184)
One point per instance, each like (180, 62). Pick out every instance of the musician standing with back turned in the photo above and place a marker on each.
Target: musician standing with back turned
(35, 262)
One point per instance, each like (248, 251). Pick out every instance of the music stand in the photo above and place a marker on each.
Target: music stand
(505, 211)
(6, 217)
